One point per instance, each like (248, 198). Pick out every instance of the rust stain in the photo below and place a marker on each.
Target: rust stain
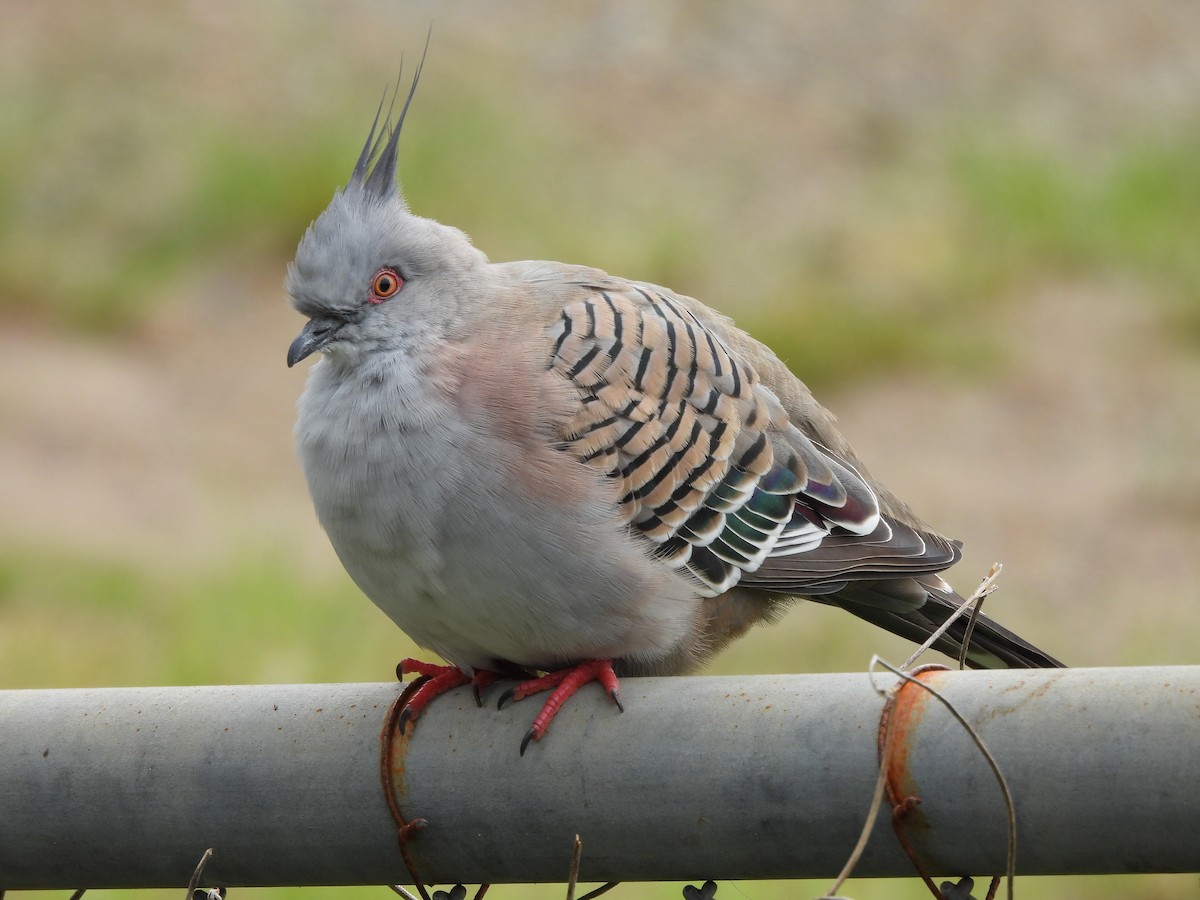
(393, 751)
(1026, 694)
(898, 724)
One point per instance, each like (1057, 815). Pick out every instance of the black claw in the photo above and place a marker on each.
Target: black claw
(406, 716)
(505, 697)
(616, 695)
(400, 671)
(529, 736)
(478, 696)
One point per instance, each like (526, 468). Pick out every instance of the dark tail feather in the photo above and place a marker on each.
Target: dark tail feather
(992, 645)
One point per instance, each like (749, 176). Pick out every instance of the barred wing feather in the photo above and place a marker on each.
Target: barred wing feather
(712, 470)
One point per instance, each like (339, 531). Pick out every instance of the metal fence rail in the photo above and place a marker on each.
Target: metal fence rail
(757, 777)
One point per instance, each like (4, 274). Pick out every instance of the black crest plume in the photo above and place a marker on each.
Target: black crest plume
(375, 171)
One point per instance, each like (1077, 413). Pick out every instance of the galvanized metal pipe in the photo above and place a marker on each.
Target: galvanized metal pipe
(763, 777)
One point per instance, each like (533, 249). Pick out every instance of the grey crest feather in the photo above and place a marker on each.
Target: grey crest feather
(375, 171)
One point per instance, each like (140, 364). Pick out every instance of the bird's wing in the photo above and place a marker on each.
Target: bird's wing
(712, 469)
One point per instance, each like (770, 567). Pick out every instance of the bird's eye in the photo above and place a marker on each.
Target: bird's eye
(385, 284)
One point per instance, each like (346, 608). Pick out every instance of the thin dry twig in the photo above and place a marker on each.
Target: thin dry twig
(990, 584)
(603, 889)
(868, 827)
(75, 896)
(976, 611)
(573, 875)
(402, 892)
(195, 879)
(985, 587)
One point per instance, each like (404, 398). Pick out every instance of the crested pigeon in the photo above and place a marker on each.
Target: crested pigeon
(536, 467)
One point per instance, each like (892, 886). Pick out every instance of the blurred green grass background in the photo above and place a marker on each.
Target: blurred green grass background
(973, 232)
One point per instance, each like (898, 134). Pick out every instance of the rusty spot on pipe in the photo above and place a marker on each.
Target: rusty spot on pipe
(393, 752)
(902, 714)
(898, 723)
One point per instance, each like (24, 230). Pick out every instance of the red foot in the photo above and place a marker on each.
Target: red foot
(565, 682)
(439, 679)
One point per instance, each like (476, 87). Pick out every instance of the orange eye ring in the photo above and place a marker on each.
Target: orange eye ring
(385, 284)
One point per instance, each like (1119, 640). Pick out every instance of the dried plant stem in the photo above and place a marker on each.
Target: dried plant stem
(865, 834)
(573, 876)
(195, 879)
(985, 587)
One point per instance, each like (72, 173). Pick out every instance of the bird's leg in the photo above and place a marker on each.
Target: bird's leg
(436, 680)
(564, 683)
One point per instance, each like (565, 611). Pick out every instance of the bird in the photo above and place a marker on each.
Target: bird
(542, 470)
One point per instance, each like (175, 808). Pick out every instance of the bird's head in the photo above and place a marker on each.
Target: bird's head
(368, 273)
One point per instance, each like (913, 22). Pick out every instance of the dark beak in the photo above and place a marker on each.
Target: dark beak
(316, 334)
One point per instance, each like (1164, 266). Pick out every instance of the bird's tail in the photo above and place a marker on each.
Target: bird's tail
(992, 645)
